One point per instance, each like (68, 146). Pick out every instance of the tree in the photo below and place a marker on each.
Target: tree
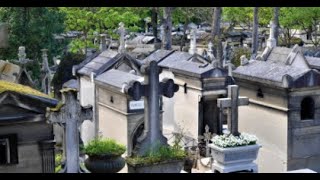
(243, 16)
(154, 22)
(288, 21)
(167, 23)
(255, 36)
(308, 19)
(34, 28)
(276, 22)
(216, 33)
(186, 15)
(103, 20)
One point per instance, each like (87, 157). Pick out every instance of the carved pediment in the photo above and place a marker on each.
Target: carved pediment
(12, 113)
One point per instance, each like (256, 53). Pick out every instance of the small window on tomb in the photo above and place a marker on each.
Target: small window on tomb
(185, 88)
(307, 108)
(8, 149)
(260, 93)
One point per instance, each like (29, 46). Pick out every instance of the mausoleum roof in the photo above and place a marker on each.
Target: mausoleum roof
(117, 79)
(282, 67)
(26, 91)
(96, 62)
(314, 62)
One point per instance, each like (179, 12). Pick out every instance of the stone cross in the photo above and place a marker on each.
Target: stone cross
(232, 102)
(193, 41)
(122, 34)
(152, 91)
(70, 116)
(45, 73)
(22, 61)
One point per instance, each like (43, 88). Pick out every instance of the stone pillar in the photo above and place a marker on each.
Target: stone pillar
(122, 48)
(271, 42)
(193, 41)
(22, 53)
(210, 51)
(103, 45)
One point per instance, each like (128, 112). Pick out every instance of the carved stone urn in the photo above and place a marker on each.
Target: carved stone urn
(104, 163)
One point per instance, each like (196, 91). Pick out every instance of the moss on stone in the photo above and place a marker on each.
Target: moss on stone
(18, 88)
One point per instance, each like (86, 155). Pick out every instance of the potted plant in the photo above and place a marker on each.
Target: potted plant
(104, 156)
(231, 152)
(165, 159)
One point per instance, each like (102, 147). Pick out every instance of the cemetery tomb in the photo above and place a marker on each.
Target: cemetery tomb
(8, 71)
(282, 113)
(119, 116)
(84, 72)
(26, 139)
(200, 84)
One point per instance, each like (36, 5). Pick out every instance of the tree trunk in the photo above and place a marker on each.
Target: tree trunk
(216, 22)
(216, 34)
(184, 37)
(167, 42)
(276, 23)
(154, 22)
(255, 36)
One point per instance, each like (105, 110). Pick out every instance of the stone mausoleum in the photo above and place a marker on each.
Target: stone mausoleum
(26, 139)
(283, 112)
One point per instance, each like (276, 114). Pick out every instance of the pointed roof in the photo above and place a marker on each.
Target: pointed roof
(95, 62)
(279, 66)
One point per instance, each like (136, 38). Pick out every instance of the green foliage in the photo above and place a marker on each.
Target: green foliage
(161, 154)
(237, 53)
(58, 160)
(191, 14)
(294, 40)
(244, 15)
(64, 71)
(89, 20)
(102, 146)
(32, 27)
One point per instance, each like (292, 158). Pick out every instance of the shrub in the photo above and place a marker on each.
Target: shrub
(58, 159)
(102, 146)
(237, 53)
(226, 141)
(64, 71)
(161, 154)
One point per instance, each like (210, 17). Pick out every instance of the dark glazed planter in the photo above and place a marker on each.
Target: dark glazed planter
(104, 164)
(163, 167)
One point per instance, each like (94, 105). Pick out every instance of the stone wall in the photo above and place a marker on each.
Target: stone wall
(87, 97)
(267, 119)
(304, 135)
(29, 153)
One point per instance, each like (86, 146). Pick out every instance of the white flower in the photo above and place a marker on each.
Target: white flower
(233, 141)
